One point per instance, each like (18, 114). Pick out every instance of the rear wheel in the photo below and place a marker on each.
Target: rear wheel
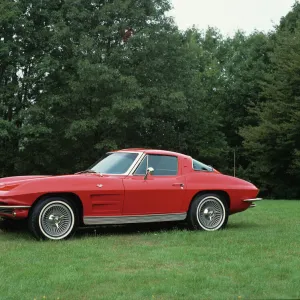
(208, 212)
(53, 218)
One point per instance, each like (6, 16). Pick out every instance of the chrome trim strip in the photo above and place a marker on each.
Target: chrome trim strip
(15, 207)
(136, 164)
(134, 219)
(252, 200)
(8, 209)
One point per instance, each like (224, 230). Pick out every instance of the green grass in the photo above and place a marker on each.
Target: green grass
(258, 257)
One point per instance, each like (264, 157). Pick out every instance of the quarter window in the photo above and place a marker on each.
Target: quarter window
(199, 166)
(163, 165)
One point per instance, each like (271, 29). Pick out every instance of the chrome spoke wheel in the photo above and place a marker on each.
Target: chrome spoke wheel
(211, 213)
(56, 220)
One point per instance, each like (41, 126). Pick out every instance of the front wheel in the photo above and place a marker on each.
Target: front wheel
(208, 212)
(53, 218)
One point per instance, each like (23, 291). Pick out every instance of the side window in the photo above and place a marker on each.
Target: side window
(199, 166)
(163, 165)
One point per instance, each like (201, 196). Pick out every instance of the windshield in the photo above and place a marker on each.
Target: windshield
(115, 163)
(199, 166)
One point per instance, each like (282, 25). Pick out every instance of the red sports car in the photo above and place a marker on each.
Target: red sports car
(126, 186)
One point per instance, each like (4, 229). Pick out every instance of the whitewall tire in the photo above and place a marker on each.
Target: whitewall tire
(208, 212)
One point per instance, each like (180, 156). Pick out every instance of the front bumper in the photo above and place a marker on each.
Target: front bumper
(15, 211)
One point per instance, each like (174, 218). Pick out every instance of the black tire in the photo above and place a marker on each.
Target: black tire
(53, 218)
(208, 212)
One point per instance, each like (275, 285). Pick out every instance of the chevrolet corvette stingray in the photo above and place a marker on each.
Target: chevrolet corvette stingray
(126, 186)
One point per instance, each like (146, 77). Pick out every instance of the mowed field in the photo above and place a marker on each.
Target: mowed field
(257, 256)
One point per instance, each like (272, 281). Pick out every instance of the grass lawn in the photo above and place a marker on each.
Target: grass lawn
(257, 256)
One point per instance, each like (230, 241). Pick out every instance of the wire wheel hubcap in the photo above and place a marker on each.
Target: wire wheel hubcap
(56, 220)
(211, 213)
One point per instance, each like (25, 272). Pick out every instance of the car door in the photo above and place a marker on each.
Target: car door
(160, 193)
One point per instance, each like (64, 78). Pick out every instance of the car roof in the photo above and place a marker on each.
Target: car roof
(153, 151)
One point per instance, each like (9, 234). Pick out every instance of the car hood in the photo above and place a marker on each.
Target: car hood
(19, 179)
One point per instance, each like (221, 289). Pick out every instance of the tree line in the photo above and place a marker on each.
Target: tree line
(79, 78)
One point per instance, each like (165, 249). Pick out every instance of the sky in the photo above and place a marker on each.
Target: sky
(230, 15)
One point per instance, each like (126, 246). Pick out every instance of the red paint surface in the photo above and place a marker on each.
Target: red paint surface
(129, 194)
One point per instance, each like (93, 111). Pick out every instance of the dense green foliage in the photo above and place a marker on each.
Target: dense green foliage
(74, 84)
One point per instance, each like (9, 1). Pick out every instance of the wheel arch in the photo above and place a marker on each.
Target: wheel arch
(220, 193)
(74, 198)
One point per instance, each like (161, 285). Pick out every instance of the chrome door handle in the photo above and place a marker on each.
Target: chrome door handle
(178, 184)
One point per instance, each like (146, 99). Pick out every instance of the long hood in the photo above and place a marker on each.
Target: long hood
(42, 184)
(25, 190)
(19, 179)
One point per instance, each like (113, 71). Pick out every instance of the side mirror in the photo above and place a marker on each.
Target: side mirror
(149, 171)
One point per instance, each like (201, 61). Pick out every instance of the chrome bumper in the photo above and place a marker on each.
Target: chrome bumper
(253, 200)
(7, 209)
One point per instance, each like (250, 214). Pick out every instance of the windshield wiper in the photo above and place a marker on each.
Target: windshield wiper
(86, 171)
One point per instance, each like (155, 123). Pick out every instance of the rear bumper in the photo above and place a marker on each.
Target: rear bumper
(252, 200)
